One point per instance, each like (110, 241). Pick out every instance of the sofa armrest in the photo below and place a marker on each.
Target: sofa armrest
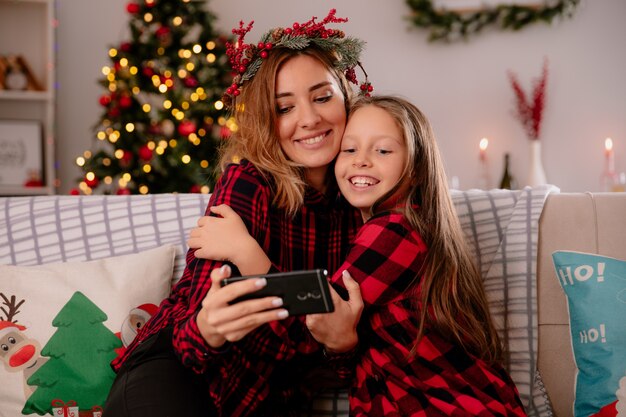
(592, 223)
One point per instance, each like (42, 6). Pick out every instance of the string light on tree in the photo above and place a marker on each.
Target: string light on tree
(156, 133)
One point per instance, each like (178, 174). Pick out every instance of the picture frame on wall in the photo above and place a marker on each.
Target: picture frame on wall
(21, 153)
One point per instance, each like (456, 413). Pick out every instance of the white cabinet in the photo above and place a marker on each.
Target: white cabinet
(27, 30)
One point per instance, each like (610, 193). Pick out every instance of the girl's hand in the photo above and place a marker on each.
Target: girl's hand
(218, 237)
(226, 238)
(220, 321)
(337, 330)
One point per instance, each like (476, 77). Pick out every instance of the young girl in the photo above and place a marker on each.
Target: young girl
(427, 342)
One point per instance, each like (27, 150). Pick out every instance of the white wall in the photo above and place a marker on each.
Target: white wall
(462, 87)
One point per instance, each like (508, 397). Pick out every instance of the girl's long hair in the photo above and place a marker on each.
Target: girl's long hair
(451, 292)
(257, 138)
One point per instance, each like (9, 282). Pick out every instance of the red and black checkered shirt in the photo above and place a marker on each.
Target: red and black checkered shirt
(275, 355)
(441, 379)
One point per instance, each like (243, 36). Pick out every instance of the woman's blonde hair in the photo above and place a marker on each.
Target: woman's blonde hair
(451, 289)
(257, 138)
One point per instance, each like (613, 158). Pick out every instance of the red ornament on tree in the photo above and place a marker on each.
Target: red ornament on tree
(92, 183)
(126, 158)
(122, 191)
(126, 47)
(105, 100)
(186, 128)
(195, 189)
(162, 31)
(114, 112)
(145, 153)
(154, 128)
(125, 102)
(74, 191)
(190, 82)
(132, 8)
(147, 71)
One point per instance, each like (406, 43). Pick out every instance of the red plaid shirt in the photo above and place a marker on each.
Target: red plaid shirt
(441, 380)
(274, 355)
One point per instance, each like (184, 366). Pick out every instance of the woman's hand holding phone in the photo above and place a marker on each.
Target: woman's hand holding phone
(219, 321)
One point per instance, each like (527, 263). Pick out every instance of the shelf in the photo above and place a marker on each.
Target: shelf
(25, 95)
(27, 30)
(26, 1)
(18, 190)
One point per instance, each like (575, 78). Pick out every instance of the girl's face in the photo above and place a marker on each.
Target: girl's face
(372, 158)
(311, 115)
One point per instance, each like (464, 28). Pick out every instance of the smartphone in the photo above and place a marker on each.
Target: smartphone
(303, 292)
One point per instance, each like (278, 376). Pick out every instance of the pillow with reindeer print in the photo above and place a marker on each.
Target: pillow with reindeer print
(62, 324)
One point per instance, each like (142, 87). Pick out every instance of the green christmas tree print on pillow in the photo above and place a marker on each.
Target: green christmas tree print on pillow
(79, 352)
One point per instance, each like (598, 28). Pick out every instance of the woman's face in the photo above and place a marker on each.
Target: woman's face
(311, 113)
(372, 159)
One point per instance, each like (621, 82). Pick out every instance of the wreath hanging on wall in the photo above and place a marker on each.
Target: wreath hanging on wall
(449, 25)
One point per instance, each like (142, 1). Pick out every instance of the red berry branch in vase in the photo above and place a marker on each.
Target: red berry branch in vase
(530, 112)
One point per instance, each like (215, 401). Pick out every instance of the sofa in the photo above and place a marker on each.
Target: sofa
(97, 238)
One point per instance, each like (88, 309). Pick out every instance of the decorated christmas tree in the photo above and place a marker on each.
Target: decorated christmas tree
(163, 118)
(80, 352)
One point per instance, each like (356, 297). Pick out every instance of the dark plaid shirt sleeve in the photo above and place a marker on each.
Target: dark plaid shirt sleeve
(245, 193)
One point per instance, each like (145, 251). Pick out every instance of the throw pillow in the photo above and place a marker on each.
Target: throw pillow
(595, 287)
(62, 324)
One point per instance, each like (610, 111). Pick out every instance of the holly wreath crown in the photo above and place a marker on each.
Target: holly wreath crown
(246, 59)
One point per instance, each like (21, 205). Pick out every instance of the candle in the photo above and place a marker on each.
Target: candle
(609, 178)
(485, 181)
(484, 142)
(610, 157)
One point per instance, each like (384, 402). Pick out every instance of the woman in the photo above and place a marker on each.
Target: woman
(200, 355)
